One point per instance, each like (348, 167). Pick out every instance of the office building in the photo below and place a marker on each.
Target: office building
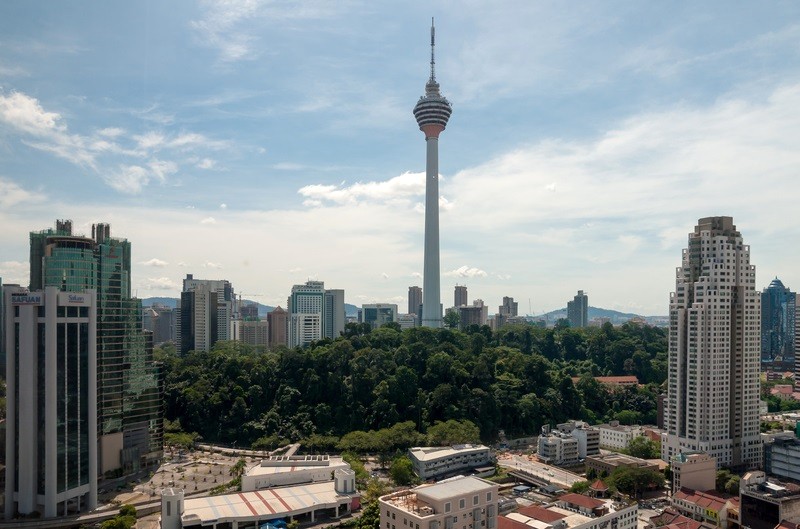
(333, 326)
(432, 112)
(283, 471)
(129, 383)
(782, 455)
(509, 308)
(248, 310)
(407, 321)
(778, 305)
(618, 436)
(471, 315)
(449, 504)
(557, 448)
(460, 296)
(693, 470)
(254, 332)
(797, 345)
(578, 310)
(208, 310)
(765, 503)
(51, 406)
(436, 462)
(587, 436)
(378, 314)
(306, 307)
(161, 320)
(277, 321)
(714, 350)
(414, 300)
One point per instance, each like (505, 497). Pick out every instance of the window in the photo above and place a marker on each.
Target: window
(462, 503)
(447, 507)
(488, 496)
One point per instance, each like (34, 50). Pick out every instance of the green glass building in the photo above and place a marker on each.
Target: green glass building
(130, 384)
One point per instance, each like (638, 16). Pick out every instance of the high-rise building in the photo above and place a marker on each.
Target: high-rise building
(161, 320)
(778, 305)
(460, 296)
(51, 406)
(306, 307)
(414, 299)
(797, 346)
(432, 112)
(129, 383)
(249, 310)
(333, 326)
(714, 344)
(254, 331)
(225, 307)
(578, 310)
(509, 307)
(278, 326)
(199, 319)
(378, 314)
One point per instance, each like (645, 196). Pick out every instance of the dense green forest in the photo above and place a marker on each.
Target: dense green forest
(516, 380)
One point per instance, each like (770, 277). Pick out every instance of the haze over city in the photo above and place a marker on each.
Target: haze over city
(269, 143)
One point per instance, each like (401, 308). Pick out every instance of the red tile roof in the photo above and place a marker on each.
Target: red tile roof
(508, 523)
(581, 501)
(598, 485)
(707, 500)
(672, 520)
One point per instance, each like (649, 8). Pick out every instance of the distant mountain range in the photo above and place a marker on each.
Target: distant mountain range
(263, 310)
(614, 316)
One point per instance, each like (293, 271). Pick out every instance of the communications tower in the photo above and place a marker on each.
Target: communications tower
(432, 112)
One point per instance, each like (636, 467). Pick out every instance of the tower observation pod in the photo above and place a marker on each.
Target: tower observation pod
(432, 113)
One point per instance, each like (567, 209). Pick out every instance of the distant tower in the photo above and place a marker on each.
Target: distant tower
(414, 299)
(578, 310)
(432, 112)
(460, 296)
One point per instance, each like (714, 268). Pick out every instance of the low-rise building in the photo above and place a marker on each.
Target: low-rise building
(693, 470)
(616, 436)
(280, 471)
(305, 502)
(766, 503)
(604, 465)
(557, 448)
(574, 511)
(456, 503)
(587, 436)
(708, 506)
(435, 462)
(782, 455)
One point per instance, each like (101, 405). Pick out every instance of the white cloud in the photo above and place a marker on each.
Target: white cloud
(129, 178)
(155, 262)
(466, 271)
(416, 275)
(385, 275)
(111, 132)
(206, 163)
(208, 220)
(223, 206)
(26, 114)
(404, 186)
(15, 272)
(12, 194)
(210, 264)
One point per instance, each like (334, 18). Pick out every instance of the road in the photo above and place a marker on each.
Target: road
(548, 473)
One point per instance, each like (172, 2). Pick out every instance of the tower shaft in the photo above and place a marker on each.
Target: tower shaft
(431, 287)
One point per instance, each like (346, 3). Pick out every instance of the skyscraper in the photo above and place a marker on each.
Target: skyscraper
(414, 299)
(333, 326)
(714, 344)
(51, 426)
(378, 314)
(222, 309)
(432, 112)
(277, 327)
(129, 384)
(777, 325)
(578, 310)
(509, 308)
(306, 307)
(460, 296)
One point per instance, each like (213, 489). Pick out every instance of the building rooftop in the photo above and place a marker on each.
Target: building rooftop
(708, 500)
(456, 486)
(581, 501)
(285, 464)
(540, 513)
(276, 503)
(429, 453)
(620, 459)
(670, 519)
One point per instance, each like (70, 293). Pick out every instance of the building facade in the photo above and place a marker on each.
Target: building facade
(333, 326)
(509, 308)
(693, 470)
(578, 310)
(460, 297)
(458, 503)
(714, 350)
(618, 436)
(214, 309)
(778, 307)
(414, 299)
(51, 407)
(378, 314)
(441, 461)
(129, 383)
(278, 326)
(306, 307)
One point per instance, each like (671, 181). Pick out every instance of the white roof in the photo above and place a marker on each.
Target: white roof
(454, 487)
(264, 470)
(263, 504)
(429, 453)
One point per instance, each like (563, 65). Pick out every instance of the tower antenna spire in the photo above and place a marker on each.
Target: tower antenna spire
(433, 44)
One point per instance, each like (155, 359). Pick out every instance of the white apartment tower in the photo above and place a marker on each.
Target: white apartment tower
(714, 350)
(306, 307)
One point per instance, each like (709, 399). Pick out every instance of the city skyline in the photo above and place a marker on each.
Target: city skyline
(584, 146)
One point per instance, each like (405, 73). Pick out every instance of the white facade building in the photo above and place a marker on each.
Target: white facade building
(714, 350)
(306, 307)
(587, 436)
(558, 448)
(618, 436)
(51, 403)
(335, 317)
(457, 503)
(281, 471)
(437, 461)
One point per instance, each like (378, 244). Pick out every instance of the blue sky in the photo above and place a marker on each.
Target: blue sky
(272, 142)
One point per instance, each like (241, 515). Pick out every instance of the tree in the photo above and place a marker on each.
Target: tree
(238, 468)
(453, 432)
(451, 319)
(402, 471)
(644, 448)
(579, 487)
(635, 480)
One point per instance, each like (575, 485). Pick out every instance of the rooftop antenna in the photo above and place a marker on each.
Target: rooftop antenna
(433, 44)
